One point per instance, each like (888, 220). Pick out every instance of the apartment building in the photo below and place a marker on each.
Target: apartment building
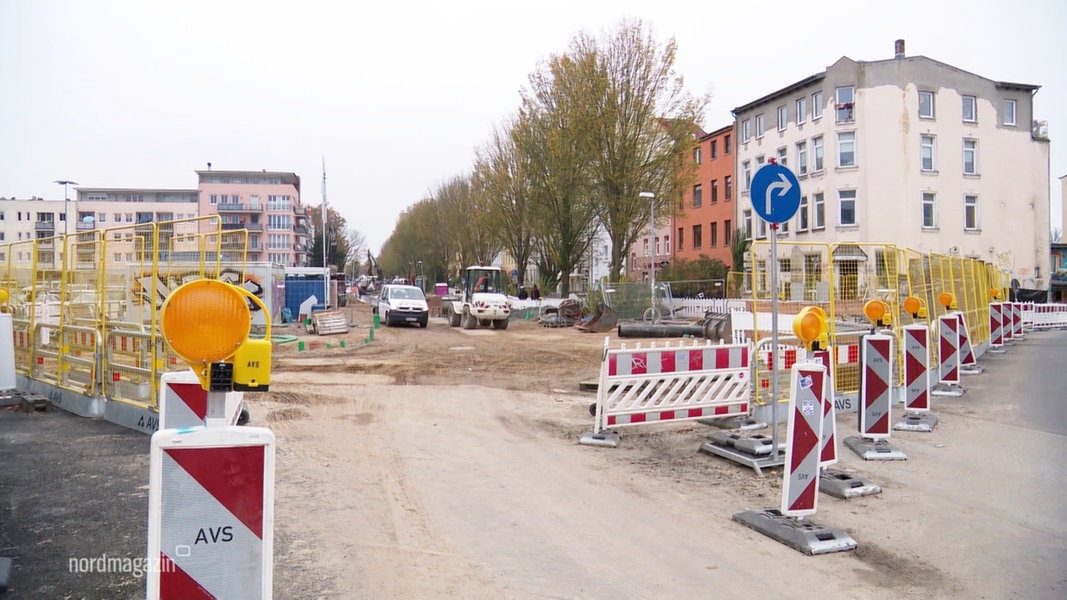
(267, 204)
(908, 151)
(24, 220)
(121, 211)
(705, 223)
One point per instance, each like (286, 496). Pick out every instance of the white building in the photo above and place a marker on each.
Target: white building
(908, 151)
(34, 219)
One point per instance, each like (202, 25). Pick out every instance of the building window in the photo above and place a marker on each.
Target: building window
(1009, 112)
(846, 104)
(728, 187)
(816, 154)
(214, 199)
(802, 158)
(760, 126)
(698, 195)
(666, 244)
(714, 191)
(681, 238)
(816, 106)
(746, 130)
(727, 233)
(970, 213)
(846, 149)
(713, 234)
(726, 144)
(802, 110)
(929, 210)
(970, 109)
(647, 253)
(970, 157)
(926, 105)
(714, 149)
(698, 235)
(782, 158)
(696, 155)
(846, 205)
(761, 228)
(818, 206)
(802, 214)
(926, 152)
(783, 117)
(100, 217)
(746, 220)
(746, 172)
(759, 161)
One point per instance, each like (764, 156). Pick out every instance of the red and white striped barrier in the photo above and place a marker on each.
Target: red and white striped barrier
(828, 453)
(1049, 316)
(642, 386)
(876, 386)
(948, 357)
(1017, 321)
(800, 485)
(917, 368)
(968, 359)
(996, 326)
(183, 401)
(211, 513)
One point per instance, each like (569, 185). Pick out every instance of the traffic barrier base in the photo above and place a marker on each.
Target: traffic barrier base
(950, 390)
(845, 485)
(871, 449)
(604, 439)
(801, 534)
(917, 421)
(742, 422)
(753, 451)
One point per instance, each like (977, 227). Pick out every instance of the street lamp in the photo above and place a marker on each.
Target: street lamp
(652, 244)
(65, 183)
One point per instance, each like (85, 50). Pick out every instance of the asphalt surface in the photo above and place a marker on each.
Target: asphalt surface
(74, 491)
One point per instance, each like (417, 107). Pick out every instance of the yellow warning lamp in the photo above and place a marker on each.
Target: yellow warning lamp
(810, 326)
(206, 322)
(4, 295)
(914, 306)
(947, 299)
(877, 311)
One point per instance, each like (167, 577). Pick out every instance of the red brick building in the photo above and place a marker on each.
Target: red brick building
(705, 224)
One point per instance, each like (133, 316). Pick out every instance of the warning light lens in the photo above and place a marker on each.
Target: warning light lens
(205, 321)
(875, 310)
(946, 299)
(3, 295)
(994, 293)
(912, 305)
(808, 325)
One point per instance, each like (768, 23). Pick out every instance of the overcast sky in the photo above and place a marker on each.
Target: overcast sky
(396, 96)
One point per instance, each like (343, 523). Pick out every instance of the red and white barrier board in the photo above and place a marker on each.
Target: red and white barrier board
(183, 401)
(876, 386)
(996, 325)
(948, 355)
(211, 513)
(672, 383)
(967, 357)
(828, 454)
(916, 368)
(800, 485)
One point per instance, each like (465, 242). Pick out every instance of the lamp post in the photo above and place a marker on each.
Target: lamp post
(652, 245)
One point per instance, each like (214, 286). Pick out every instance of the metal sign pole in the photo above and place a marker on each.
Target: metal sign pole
(774, 341)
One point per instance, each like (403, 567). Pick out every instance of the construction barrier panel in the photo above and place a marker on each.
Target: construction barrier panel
(661, 384)
(996, 325)
(948, 370)
(1049, 316)
(828, 453)
(877, 386)
(917, 368)
(807, 398)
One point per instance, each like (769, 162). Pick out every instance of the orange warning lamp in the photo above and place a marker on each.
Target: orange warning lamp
(204, 321)
(876, 311)
(914, 306)
(994, 293)
(810, 327)
(947, 299)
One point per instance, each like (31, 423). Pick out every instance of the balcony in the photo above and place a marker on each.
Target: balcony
(44, 225)
(249, 226)
(82, 226)
(231, 207)
(300, 230)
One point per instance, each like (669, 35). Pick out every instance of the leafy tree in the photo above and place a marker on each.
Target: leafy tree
(640, 125)
(336, 238)
(739, 248)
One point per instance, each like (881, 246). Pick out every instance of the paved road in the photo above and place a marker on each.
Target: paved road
(1028, 382)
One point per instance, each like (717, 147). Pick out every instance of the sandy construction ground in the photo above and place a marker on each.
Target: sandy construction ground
(442, 463)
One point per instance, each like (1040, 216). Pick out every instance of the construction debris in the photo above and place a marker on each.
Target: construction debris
(329, 322)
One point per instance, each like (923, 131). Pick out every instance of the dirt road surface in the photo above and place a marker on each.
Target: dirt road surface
(443, 463)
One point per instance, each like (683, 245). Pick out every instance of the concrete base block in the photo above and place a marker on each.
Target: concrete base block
(742, 423)
(917, 421)
(952, 391)
(869, 449)
(971, 370)
(800, 534)
(606, 439)
(845, 485)
(754, 451)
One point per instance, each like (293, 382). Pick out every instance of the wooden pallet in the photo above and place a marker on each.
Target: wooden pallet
(329, 322)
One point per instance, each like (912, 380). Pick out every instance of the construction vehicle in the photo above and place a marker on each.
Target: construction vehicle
(481, 301)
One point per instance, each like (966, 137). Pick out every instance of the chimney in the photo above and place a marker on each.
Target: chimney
(898, 49)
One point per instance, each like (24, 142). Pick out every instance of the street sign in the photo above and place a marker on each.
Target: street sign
(775, 193)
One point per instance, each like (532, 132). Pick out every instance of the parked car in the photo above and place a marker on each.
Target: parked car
(398, 304)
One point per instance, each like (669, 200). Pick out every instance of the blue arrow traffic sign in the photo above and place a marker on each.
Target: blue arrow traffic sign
(775, 193)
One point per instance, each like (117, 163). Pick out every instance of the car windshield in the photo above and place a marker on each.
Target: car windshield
(405, 294)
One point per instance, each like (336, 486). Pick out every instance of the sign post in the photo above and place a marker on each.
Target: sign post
(775, 198)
